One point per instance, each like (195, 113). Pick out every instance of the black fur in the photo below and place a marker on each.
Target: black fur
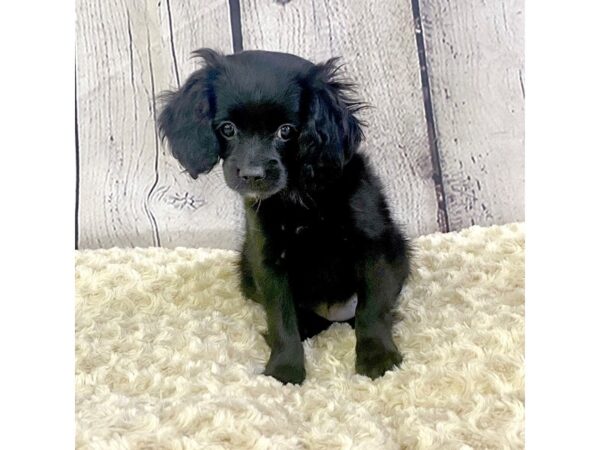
(318, 228)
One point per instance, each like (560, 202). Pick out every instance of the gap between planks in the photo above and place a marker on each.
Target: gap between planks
(236, 26)
(442, 216)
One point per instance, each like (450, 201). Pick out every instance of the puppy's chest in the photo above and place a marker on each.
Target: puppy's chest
(311, 241)
(319, 260)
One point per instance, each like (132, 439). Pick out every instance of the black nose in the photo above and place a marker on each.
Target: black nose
(254, 173)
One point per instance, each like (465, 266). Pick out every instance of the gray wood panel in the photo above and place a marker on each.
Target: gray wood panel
(202, 212)
(115, 132)
(132, 192)
(475, 66)
(377, 41)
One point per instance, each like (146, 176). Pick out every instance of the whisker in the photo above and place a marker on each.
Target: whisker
(310, 198)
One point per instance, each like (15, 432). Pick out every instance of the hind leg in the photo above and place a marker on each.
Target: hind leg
(310, 323)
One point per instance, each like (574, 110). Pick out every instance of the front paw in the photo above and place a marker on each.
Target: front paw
(286, 372)
(374, 361)
(287, 366)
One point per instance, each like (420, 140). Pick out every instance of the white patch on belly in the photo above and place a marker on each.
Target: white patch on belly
(338, 312)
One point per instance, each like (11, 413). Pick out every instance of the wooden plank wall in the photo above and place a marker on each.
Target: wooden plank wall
(475, 67)
(131, 191)
(445, 78)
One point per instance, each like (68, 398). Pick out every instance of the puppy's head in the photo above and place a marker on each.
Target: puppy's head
(276, 120)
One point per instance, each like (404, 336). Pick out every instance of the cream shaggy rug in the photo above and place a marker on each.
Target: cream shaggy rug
(169, 356)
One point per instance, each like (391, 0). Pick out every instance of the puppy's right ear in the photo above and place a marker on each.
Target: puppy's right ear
(185, 120)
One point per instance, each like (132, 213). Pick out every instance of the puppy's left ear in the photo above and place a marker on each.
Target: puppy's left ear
(185, 120)
(332, 132)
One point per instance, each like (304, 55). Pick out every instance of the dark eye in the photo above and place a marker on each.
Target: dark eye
(286, 132)
(228, 130)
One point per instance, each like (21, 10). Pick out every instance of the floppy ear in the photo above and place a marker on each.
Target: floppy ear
(185, 120)
(332, 133)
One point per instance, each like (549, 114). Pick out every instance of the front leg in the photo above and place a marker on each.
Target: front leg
(379, 287)
(286, 362)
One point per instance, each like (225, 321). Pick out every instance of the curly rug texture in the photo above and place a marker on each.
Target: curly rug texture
(169, 355)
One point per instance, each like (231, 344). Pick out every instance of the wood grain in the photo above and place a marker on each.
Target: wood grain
(132, 192)
(202, 212)
(377, 42)
(475, 66)
(115, 126)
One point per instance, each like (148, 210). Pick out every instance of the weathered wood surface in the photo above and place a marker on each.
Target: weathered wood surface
(132, 192)
(475, 67)
(377, 41)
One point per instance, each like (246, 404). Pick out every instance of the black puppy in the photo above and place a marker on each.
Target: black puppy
(320, 243)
